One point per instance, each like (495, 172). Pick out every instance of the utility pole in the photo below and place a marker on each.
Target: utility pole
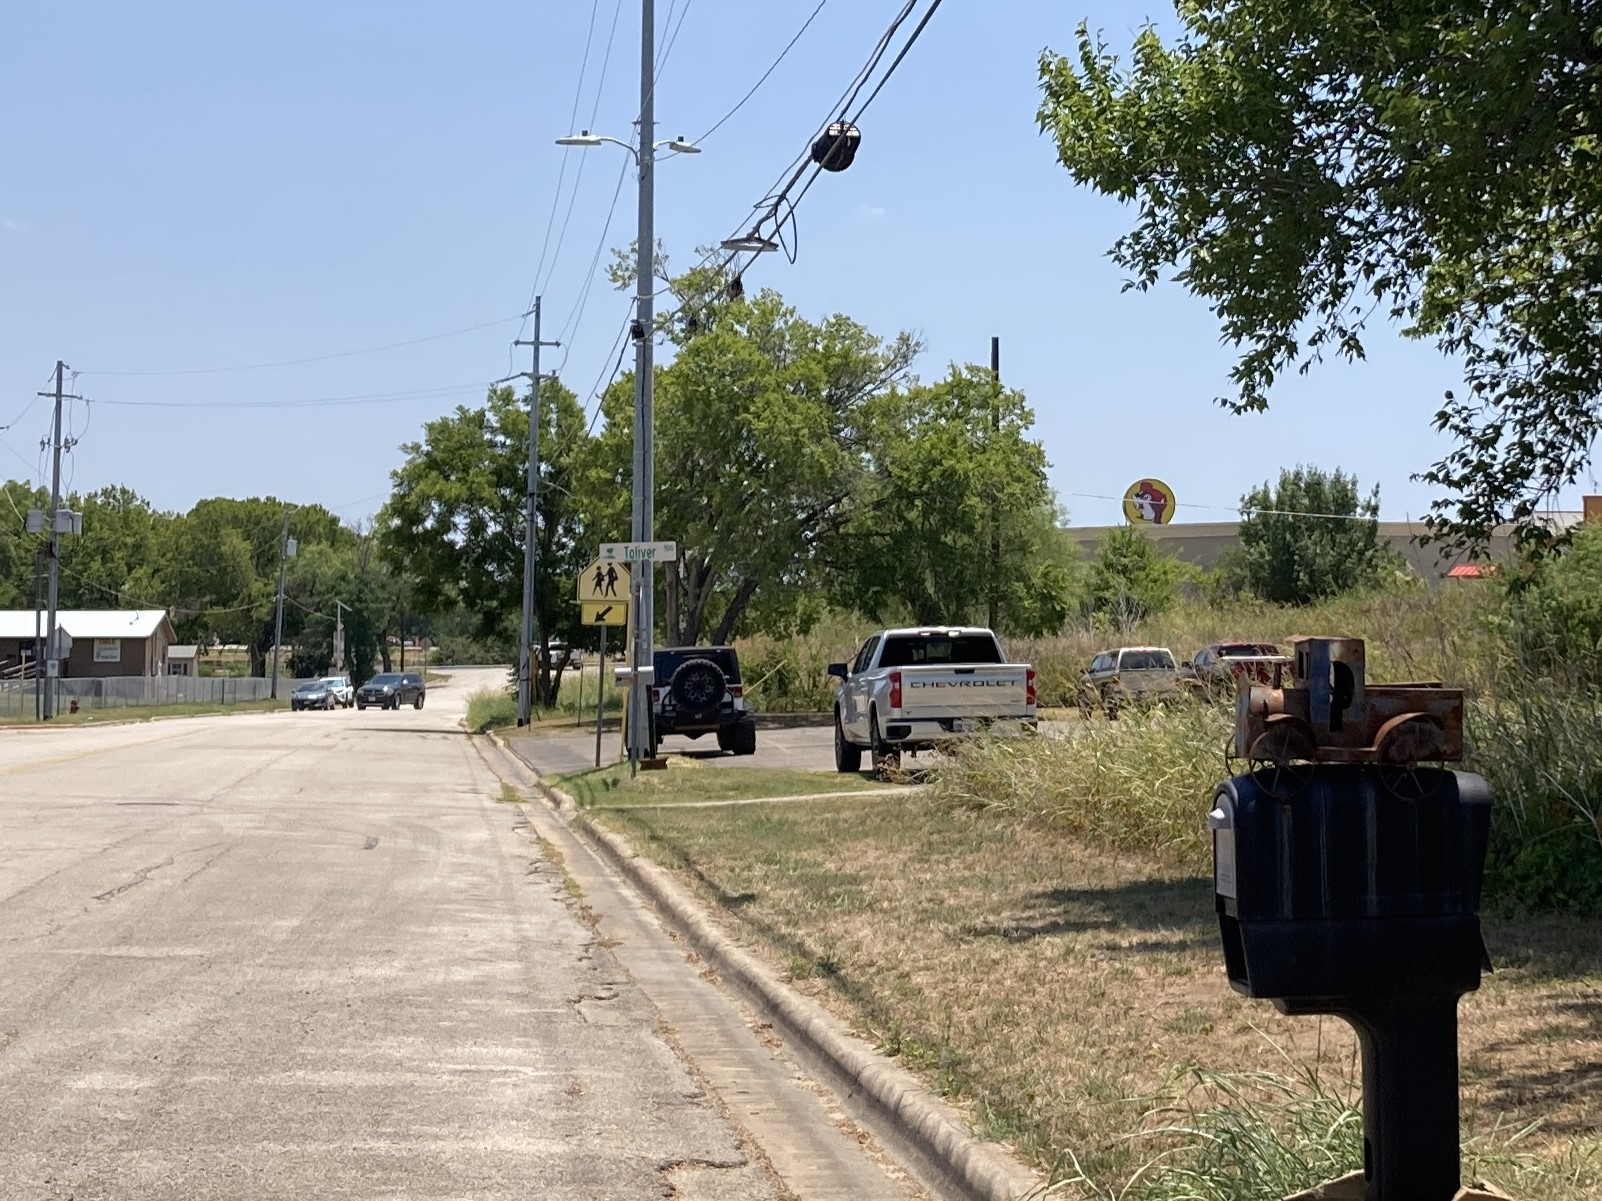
(995, 506)
(339, 635)
(531, 507)
(645, 389)
(284, 551)
(52, 663)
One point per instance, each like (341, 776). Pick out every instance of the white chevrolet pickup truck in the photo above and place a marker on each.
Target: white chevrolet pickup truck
(912, 689)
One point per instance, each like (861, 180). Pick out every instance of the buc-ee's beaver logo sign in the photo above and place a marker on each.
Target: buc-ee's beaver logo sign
(1149, 502)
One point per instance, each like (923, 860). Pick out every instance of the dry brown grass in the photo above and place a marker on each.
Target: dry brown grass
(1060, 993)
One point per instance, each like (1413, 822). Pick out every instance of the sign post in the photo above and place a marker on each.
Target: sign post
(600, 698)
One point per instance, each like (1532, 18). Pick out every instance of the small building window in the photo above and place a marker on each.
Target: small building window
(108, 650)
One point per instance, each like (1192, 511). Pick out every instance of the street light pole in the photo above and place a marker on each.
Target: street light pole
(644, 508)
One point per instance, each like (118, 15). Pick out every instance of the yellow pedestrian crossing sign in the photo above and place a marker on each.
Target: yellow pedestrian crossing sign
(604, 581)
(604, 613)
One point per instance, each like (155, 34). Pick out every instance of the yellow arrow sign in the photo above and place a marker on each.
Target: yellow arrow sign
(604, 613)
(604, 581)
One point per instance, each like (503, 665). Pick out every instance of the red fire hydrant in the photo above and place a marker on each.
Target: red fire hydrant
(73, 708)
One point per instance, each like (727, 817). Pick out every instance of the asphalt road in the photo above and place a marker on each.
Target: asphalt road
(310, 956)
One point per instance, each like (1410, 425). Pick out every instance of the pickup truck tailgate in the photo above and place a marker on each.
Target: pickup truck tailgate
(999, 690)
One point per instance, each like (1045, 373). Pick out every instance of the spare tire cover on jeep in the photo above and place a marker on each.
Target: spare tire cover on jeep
(697, 688)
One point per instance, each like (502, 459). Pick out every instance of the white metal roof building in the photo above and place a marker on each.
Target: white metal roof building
(105, 642)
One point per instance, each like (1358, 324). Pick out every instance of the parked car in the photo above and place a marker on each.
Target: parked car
(313, 694)
(910, 690)
(391, 690)
(1216, 671)
(341, 687)
(1126, 675)
(698, 691)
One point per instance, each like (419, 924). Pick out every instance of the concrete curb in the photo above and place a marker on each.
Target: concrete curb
(924, 1133)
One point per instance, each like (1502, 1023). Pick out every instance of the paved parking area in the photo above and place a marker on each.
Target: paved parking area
(806, 748)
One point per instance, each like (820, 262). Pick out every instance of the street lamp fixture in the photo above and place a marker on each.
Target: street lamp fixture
(751, 243)
(586, 139)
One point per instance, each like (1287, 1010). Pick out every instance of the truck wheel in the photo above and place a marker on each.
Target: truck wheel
(847, 756)
(745, 736)
(725, 739)
(418, 703)
(886, 759)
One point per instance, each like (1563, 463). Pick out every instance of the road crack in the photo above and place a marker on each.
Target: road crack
(139, 877)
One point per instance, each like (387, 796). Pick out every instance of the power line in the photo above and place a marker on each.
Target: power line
(310, 402)
(556, 196)
(321, 358)
(577, 312)
(774, 66)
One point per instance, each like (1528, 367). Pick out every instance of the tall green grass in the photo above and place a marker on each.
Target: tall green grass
(1533, 728)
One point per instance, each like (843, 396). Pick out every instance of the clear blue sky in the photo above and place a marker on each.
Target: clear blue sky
(197, 185)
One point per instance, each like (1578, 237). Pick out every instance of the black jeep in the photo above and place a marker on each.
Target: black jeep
(697, 690)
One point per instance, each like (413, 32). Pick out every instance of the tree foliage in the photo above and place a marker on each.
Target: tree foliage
(1310, 536)
(1304, 167)
(1130, 579)
(454, 525)
(955, 512)
(214, 568)
(759, 452)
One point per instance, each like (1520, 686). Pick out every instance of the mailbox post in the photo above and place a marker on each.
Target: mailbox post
(1343, 894)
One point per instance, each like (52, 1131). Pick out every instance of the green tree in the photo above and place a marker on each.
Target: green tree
(122, 558)
(1310, 536)
(224, 573)
(1303, 167)
(1130, 579)
(951, 467)
(453, 527)
(18, 548)
(760, 424)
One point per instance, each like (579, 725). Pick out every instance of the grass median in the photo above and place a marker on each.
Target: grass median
(1071, 996)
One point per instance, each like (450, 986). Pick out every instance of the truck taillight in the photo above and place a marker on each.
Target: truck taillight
(656, 696)
(736, 690)
(1031, 687)
(895, 690)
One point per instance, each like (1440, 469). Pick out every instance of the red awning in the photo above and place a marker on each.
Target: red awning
(1467, 571)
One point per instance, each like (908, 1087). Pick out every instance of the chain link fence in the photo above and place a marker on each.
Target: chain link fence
(19, 698)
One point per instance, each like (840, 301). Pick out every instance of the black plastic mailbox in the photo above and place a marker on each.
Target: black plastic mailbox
(1347, 900)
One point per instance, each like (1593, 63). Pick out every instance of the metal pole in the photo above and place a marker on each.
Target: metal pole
(525, 653)
(644, 407)
(278, 619)
(600, 699)
(51, 650)
(995, 514)
(38, 635)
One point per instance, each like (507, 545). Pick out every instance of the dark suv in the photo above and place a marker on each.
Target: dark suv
(697, 691)
(391, 689)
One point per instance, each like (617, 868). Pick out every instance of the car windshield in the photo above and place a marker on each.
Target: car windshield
(380, 681)
(333, 681)
(313, 686)
(1237, 650)
(910, 650)
(1147, 661)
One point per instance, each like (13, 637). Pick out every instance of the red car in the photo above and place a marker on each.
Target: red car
(1218, 669)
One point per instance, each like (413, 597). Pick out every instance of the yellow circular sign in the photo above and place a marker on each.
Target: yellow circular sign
(1149, 502)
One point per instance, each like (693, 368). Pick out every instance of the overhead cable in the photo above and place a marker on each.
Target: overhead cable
(320, 358)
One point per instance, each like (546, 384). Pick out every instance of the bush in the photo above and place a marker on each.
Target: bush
(491, 710)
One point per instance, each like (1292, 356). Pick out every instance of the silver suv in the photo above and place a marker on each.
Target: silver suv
(1125, 675)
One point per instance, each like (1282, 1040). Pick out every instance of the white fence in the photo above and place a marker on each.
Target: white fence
(20, 697)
